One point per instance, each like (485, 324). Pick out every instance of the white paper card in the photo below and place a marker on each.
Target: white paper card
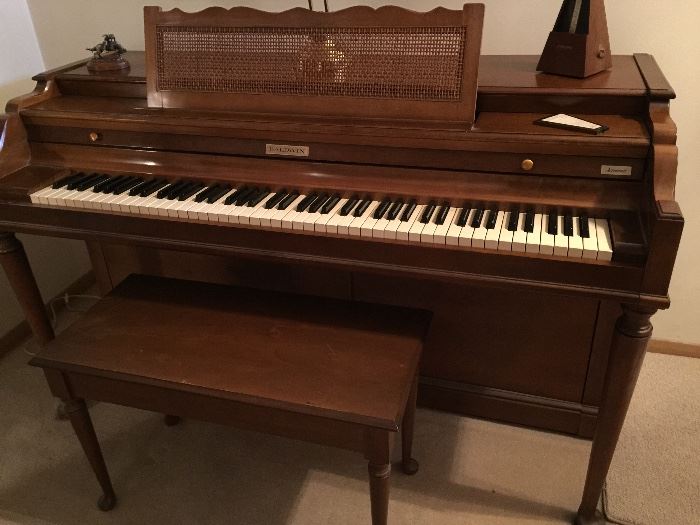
(568, 120)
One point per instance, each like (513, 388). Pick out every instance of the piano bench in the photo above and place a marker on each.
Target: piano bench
(327, 371)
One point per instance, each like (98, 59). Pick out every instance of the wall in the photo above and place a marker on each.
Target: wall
(20, 59)
(665, 29)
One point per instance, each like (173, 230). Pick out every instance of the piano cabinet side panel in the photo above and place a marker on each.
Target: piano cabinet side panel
(509, 356)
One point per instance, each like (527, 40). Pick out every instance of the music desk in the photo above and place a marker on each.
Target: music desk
(321, 370)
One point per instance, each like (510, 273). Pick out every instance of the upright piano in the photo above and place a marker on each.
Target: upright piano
(542, 252)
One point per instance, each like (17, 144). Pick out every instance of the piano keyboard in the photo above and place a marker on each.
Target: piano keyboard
(511, 230)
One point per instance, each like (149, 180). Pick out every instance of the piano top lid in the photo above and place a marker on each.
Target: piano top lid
(388, 63)
(504, 74)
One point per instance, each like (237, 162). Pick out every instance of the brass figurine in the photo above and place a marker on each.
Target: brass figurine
(107, 55)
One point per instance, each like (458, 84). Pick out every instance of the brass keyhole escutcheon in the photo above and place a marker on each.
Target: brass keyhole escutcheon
(601, 53)
(527, 164)
(94, 136)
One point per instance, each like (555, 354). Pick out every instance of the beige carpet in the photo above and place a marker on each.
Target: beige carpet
(655, 475)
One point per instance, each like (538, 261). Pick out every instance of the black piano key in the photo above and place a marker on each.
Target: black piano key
(583, 229)
(156, 187)
(428, 212)
(245, 196)
(204, 195)
(530, 222)
(382, 209)
(135, 190)
(186, 194)
(320, 201)
(441, 216)
(175, 193)
(234, 196)
(463, 216)
(306, 201)
(116, 181)
(349, 205)
(408, 211)
(214, 196)
(491, 221)
(362, 207)
(478, 217)
(395, 210)
(97, 188)
(568, 225)
(86, 182)
(552, 223)
(122, 188)
(91, 183)
(262, 194)
(330, 204)
(77, 181)
(124, 182)
(288, 200)
(176, 186)
(276, 199)
(513, 221)
(65, 181)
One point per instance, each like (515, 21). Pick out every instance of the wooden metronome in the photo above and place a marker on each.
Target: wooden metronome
(579, 45)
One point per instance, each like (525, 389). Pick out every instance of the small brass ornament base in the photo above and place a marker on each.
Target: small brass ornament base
(108, 62)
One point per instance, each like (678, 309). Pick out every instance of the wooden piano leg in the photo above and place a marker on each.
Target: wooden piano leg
(16, 265)
(632, 333)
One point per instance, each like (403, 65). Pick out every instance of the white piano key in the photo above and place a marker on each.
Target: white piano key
(404, 229)
(54, 198)
(590, 243)
(576, 242)
(215, 213)
(355, 228)
(428, 232)
(345, 222)
(561, 241)
(130, 205)
(117, 203)
(479, 235)
(416, 231)
(39, 197)
(247, 211)
(520, 235)
(322, 225)
(466, 236)
(196, 208)
(367, 228)
(452, 236)
(392, 226)
(605, 248)
(546, 239)
(491, 237)
(534, 239)
(288, 219)
(261, 211)
(279, 215)
(184, 209)
(380, 226)
(505, 241)
(440, 234)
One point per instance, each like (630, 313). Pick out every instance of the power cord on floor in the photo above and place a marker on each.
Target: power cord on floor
(71, 307)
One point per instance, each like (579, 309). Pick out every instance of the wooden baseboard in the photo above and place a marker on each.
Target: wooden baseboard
(508, 407)
(21, 332)
(671, 348)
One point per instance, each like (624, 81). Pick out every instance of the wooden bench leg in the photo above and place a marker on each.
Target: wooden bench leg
(77, 412)
(379, 492)
(379, 455)
(408, 464)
